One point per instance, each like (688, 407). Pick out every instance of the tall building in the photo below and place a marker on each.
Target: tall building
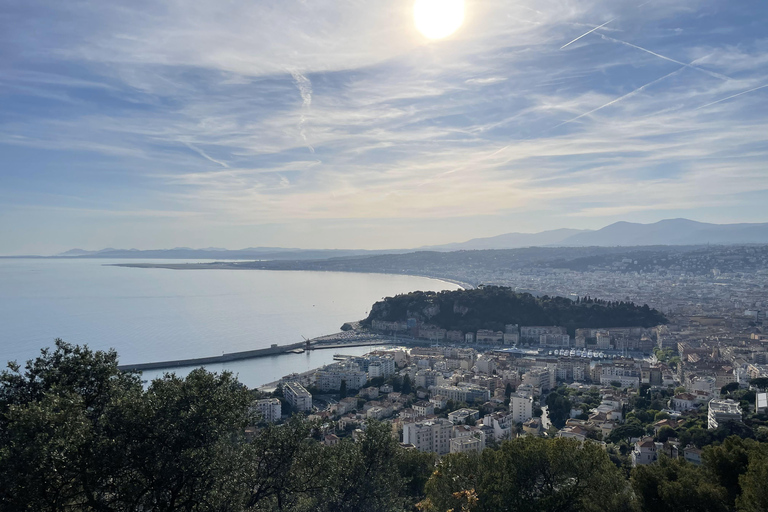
(269, 409)
(520, 407)
(429, 436)
(297, 396)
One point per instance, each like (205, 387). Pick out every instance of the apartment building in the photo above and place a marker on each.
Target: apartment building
(429, 436)
(269, 409)
(296, 395)
(520, 407)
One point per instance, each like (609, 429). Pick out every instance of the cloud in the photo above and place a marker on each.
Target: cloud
(136, 101)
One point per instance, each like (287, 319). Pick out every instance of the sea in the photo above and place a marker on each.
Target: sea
(151, 315)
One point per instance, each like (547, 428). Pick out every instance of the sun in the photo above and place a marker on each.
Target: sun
(438, 18)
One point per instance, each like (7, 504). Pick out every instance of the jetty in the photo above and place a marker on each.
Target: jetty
(342, 340)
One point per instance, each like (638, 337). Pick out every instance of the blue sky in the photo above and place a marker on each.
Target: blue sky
(336, 124)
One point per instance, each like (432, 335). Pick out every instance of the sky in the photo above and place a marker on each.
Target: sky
(337, 124)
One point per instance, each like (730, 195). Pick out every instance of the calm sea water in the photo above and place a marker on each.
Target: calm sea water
(157, 315)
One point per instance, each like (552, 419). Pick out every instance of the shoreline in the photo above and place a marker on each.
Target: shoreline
(226, 265)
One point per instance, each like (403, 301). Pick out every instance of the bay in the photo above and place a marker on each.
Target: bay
(157, 314)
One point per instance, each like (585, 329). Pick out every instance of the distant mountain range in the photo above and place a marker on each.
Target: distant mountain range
(511, 241)
(627, 234)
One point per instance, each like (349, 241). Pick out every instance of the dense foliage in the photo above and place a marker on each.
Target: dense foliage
(77, 434)
(493, 307)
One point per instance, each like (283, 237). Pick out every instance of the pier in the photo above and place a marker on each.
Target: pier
(326, 342)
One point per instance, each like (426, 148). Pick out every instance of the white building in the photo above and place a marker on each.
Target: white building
(297, 396)
(644, 452)
(429, 436)
(381, 366)
(626, 375)
(761, 403)
(520, 407)
(330, 377)
(466, 444)
(722, 410)
(502, 425)
(462, 415)
(467, 394)
(541, 378)
(533, 332)
(269, 409)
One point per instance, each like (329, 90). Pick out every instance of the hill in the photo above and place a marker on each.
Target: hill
(511, 241)
(493, 307)
(671, 232)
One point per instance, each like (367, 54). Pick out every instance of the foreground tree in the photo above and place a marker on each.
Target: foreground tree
(674, 484)
(754, 495)
(78, 433)
(530, 474)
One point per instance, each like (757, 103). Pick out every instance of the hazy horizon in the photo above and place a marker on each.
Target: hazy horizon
(342, 125)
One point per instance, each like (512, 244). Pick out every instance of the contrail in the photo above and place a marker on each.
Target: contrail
(205, 155)
(711, 73)
(641, 88)
(305, 89)
(582, 35)
(731, 97)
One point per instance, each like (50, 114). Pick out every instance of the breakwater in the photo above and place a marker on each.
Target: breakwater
(340, 340)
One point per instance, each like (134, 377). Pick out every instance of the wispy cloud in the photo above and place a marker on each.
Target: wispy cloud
(187, 108)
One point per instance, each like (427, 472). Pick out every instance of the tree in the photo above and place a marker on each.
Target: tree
(508, 391)
(728, 388)
(625, 432)
(343, 389)
(726, 463)
(754, 496)
(60, 443)
(760, 382)
(406, 387)
(674, 484)
(531, 474)
(558, 409)
(76, 432)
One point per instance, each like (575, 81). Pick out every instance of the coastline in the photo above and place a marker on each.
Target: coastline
(226, 265)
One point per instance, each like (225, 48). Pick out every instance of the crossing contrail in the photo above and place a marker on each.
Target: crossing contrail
(582, 35)
(639, 89)
(711, 73)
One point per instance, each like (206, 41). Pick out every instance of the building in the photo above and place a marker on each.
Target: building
(683, 402)
(502, 425)
(761, 403)
(330, 377)
(467, 394)
(520, 407)
(296, 395)
(627, 375)
(541, 378)
(721, 411)
(555, 340)
(429, 436)
(489, 337)
(269, 409)
(644, 452)
(428, 378)
(380, 366)
(424, 408)
(466, 444)
(692, 455)
(532, 333)
(463, 415)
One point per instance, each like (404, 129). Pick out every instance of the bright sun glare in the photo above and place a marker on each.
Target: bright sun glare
(438, 18)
